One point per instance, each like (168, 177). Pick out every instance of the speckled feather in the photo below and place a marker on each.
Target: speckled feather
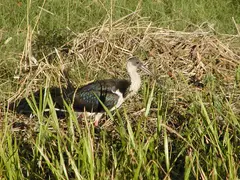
(84, 98)
(88, 96)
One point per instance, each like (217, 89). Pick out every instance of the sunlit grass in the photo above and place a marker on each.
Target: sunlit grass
(203, 148)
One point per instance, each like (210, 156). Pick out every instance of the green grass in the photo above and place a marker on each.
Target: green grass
(194, 135)
(199, 148)
(59, 16)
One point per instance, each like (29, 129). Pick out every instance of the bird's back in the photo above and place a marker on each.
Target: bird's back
(87, 97)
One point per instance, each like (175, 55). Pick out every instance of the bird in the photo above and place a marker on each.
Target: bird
(92, 98)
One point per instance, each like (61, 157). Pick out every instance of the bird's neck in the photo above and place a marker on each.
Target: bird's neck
(135, 82)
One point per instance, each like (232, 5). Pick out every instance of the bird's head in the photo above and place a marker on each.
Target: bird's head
(134, 63)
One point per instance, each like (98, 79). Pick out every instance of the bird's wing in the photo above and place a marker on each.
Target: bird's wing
(88, 96)
(89, 101)
(84, 98)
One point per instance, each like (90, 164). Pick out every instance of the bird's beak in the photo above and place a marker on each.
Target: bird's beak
(145, 69)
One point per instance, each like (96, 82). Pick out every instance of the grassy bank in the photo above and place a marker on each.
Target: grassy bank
(183, 124)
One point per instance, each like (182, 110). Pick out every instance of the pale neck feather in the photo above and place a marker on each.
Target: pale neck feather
(135, 80)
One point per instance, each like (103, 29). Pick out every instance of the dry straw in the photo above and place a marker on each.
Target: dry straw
(169, 53)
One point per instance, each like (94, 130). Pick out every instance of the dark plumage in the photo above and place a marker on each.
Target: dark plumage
(84, 98)
(87, 96)
(22, 106)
